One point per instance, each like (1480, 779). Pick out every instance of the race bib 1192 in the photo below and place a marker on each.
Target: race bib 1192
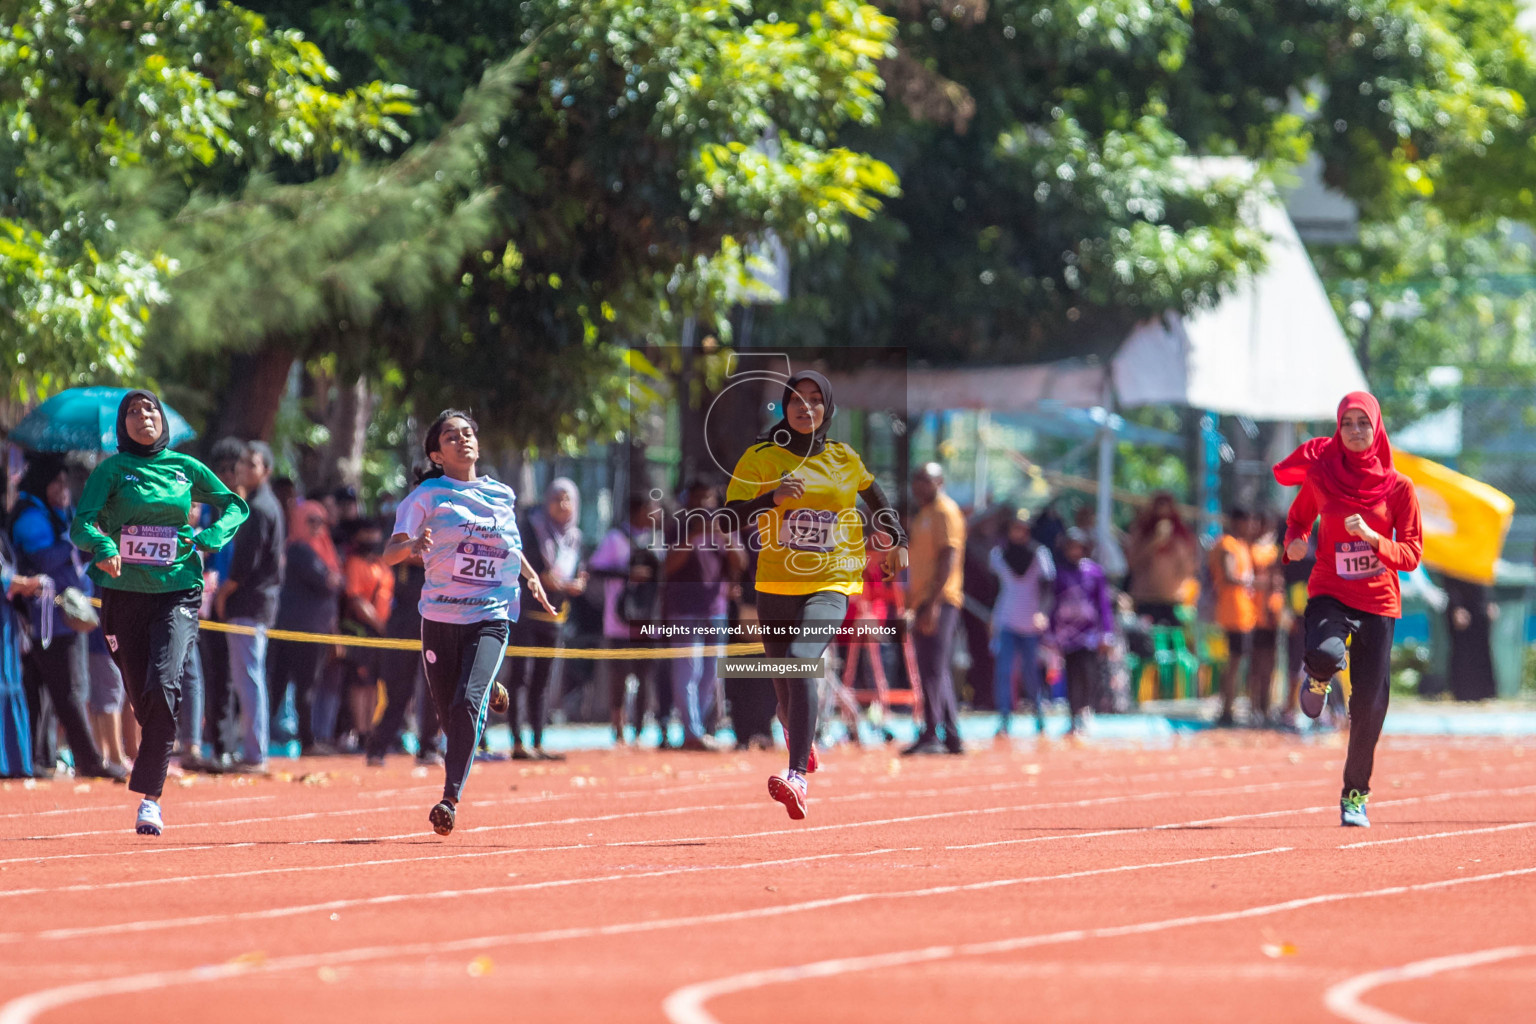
(1356, 560)
(478, 563)
(148, 545)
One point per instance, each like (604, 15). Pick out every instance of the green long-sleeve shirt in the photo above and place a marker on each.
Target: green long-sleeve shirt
(138, 508)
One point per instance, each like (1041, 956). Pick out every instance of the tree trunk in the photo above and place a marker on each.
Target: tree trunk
(350, 433)
(344, 409)
(257, 381)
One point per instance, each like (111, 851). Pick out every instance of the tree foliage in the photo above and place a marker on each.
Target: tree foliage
(631, 179)
(1044, 149)
(171, 93)
(1422, 291)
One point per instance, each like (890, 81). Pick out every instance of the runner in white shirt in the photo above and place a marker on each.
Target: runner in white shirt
(463, 527)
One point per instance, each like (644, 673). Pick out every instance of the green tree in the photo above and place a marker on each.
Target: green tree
(1422, 290)
(1045, 151)
(102, 100)
(628, 182)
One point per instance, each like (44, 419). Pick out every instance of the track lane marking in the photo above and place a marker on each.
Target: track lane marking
(1343, 999)
(25, 1009)
(687, 1005)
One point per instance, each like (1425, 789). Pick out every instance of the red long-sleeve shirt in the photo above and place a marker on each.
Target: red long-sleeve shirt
(1347, 568)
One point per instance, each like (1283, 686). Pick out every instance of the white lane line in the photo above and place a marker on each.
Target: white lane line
(688, 1005)
(790, 831)
(173, 879)
(1441, 835)
(135, 883)
(1344, 998)
(979, 811)
(143, 851)
(513, 802)
(273, 913)
(25, 1009)
(1427, 799)
(125, 808)
(310, 815)
(853, 797)
(255, 873)
(421, 834)
(576, 793)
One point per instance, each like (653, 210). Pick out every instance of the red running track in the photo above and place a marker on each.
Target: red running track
(1202, 882)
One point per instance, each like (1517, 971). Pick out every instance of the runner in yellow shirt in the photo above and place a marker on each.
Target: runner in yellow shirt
(803, 490)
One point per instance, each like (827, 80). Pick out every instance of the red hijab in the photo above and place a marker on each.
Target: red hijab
(1366, 477)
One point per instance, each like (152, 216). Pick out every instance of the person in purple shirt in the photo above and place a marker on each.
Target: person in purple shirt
(1082, 622)
(627, 564)
(703, 558)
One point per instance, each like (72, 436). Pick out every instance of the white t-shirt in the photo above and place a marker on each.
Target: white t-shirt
(474, 566)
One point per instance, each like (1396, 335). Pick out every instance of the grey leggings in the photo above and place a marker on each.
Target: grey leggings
(809, 620)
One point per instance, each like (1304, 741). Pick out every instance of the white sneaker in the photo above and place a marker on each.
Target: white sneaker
(150, 823)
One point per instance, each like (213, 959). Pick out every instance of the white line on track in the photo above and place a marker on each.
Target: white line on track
(1123, 776)
(1442, 835)
(418, 835)
(515, 801)
(1256, 787)
(138, 852)
(1431, 798)
(1344, 998)
(1426, 799)
(331, 905)
(687, 1005)
(1053, 805)
(125, 807)
(274, 913)
(25, 1009)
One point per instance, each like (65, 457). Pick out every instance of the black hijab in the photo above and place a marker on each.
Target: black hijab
(127, 444)
(1019, 557)
(785, 436)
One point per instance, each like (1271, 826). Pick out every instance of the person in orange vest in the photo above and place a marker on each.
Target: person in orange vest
(1269, 601)
(1236, 612)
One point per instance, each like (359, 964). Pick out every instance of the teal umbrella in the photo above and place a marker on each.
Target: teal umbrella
(85, 420)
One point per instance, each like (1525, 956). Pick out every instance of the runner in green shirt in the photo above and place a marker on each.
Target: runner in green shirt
(134, 523)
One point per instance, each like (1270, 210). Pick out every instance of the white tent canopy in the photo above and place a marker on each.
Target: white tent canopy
(1271, 350)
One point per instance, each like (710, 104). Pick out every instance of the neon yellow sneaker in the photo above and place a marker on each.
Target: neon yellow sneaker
(1352, 810)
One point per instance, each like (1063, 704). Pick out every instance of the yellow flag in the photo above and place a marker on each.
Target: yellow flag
(1465, 520)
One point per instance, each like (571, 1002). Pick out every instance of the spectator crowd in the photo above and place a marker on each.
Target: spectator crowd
(1020, 601)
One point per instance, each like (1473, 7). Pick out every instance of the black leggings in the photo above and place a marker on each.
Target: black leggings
(63, 672)
(806, 623)
(1083, 669)
(1369, 656)
(149, 636)
(399, 670)
(291, 661)
(461, 662)
(533, 675)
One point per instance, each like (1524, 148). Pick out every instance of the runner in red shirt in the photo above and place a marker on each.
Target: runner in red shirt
(1370, 533)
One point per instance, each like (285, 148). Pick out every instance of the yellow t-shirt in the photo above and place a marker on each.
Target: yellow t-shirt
(938, 526)
(815, 542)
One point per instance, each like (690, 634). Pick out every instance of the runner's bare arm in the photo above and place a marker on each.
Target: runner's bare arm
(402, 546)
(535, 586)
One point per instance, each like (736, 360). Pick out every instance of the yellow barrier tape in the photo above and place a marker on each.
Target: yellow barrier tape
(397, 644)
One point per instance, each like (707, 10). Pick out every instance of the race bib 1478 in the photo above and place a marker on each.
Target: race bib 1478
(1356, 560)
(148, 545)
